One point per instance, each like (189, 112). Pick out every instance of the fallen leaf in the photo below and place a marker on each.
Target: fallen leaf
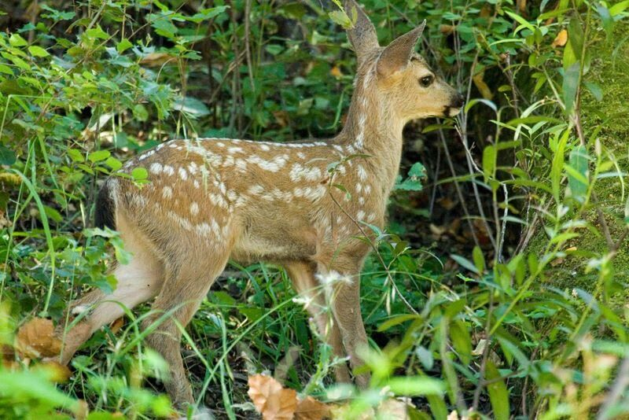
(447, 29)
(311, 409)
(393, 409)
(453, 416)
(157, 59)
(271, 399)
(36, 339)
(336, 72)
(561, 39)
(116, 325)
(56, 371)
(345, 412)
(437, 230)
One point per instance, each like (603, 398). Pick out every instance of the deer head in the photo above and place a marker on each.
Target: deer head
(395, 77)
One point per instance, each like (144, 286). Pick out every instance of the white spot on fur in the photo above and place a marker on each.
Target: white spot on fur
(241, 165)
(156, 168)
(183, 222)
(183, 174)
(360, 216)
(194, 208)
(362, 173)
(167, 193)
(256, 189)
(169, 170)
(265, 148)
(309, 174)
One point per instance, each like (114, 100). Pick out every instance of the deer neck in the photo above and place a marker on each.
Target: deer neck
(374, 130)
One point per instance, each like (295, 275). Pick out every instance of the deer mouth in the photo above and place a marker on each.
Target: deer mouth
(451, 111)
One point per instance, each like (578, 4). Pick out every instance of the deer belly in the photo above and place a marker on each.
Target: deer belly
(274, 245)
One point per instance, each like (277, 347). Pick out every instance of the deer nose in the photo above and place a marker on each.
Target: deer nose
(458, 100)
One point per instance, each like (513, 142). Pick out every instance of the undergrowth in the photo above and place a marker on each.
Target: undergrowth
(498, 327)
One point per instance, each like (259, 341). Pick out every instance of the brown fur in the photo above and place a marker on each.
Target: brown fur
(215, 199)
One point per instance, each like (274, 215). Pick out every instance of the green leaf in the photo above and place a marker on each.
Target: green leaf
(498, 393)
(523, 23)
(340, 18)
(140, 113)
(618, 8)
(96, 33)
(99, 155)
(465, 263)
(76, 155)
(123, 45)
(413, 183)
(7, 156)
(37, 51)
(415, 386)
(396, 320)
(489, 161)
(113, 163)
(571, 86)
(437, 407)
(6, 69)
(557, 166)
(25, 385)
(577, 180)
(461, 341)
(17, 41)
(191, 106)
(479, 259)
(206, 14)
(139, 174)
(595, 90)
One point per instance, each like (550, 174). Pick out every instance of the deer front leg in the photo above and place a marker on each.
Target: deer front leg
(303, 277)
(342, 280)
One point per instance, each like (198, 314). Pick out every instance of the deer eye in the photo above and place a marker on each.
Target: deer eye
(426, 81)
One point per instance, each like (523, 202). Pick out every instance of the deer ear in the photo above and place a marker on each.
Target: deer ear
(397, 55)
(363, 34)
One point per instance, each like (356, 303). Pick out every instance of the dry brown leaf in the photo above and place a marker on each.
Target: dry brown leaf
(158, 59)
(82, 410)
(311, 409)
(271, 399)
(393, 409)
(482, 86)
(561, 39)
(116, 325)
(36, 339)
(447, 29)
(56, 371)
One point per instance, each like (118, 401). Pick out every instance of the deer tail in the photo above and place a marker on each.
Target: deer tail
(106, 206)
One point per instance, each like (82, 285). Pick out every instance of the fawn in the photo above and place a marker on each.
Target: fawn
(210, 200)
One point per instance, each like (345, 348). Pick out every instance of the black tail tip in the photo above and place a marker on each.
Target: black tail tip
(105, 208)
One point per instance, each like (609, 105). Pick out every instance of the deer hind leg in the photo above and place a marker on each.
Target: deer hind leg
(343, 289)
(303, 278)
(188, 281)
(138, 282)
